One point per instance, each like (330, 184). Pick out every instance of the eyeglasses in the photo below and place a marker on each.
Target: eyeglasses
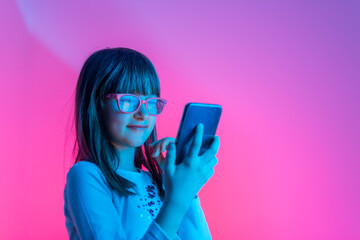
(129, 103)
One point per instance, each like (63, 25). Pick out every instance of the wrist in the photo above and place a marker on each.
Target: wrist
(176, 202)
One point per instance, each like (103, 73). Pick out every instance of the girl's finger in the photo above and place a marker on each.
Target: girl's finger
(171, 139)
(164, 144)
(161, 145)
(170, 159)
(167, 142)
(210, 164)
(196, 142)
(161, 161)
(212, 150)
(156, 149)
(151, 145)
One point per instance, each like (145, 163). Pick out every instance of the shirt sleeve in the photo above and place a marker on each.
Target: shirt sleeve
(194, 225)
(88, 200)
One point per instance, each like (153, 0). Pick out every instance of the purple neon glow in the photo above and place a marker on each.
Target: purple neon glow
(285, 72)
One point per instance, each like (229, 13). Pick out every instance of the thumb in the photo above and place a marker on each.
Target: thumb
(170, 158)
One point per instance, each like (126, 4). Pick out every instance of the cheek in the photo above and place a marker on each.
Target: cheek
(152, 122)
(116, 124)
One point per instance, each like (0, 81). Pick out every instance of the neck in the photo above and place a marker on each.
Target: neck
(126, 156)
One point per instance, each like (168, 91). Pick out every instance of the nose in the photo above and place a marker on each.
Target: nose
(141, 111)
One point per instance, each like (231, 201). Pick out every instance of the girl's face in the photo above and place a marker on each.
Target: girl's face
(117, 124)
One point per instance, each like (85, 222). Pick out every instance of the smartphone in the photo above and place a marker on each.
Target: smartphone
(195, 113)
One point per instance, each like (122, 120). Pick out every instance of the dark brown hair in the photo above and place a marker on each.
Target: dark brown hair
(113, 70)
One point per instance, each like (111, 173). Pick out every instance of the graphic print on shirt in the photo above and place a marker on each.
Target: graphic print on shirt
(151, 202)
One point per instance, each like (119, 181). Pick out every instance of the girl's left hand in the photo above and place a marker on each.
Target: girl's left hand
(159, 147)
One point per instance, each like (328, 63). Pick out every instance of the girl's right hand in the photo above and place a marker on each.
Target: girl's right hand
(184, 181)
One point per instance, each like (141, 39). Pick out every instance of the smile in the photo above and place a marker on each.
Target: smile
(137, 128)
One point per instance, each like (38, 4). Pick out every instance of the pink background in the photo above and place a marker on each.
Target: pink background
(287, 74)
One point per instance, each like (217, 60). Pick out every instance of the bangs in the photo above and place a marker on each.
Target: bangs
(135, 83)
(132, 73)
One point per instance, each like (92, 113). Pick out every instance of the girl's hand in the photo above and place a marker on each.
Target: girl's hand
(159, 147)
(184, 181)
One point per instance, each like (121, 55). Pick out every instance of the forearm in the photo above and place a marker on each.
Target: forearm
(194, 224)
(170, 217)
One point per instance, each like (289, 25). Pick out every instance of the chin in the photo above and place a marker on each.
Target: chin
(136, 144)
(122, 144)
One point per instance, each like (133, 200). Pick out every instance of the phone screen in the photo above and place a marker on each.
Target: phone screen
(195, 113)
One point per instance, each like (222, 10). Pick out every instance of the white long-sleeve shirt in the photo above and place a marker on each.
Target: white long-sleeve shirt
(94, 211)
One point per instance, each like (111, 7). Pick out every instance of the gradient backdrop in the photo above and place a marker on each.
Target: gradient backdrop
(287, 74)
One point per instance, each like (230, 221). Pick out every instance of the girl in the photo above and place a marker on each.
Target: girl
(121, 185)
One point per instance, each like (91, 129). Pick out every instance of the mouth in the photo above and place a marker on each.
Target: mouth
(137, 127)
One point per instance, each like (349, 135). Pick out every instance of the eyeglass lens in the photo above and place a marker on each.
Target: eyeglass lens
(129, 104)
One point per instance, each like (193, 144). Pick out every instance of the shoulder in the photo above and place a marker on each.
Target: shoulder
(83, 168)
(85, 172)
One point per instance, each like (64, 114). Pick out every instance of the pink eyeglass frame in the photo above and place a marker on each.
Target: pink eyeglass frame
(117, 96)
